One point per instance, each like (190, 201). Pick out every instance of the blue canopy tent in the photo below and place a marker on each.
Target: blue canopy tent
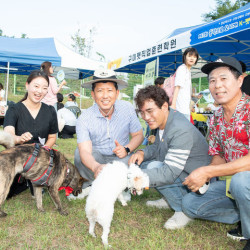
(227, 36)
(21, 56)
(25, 55)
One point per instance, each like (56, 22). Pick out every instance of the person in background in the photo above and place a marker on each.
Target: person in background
(66, 120)
(2, 95)
(30, 120)
(183, 84)
(179, 149)
(71, 101)
(107, 131)
(51, 98)
(213, 106)
(159, 81)
(246, 82)
(227, 199)
(59, 101)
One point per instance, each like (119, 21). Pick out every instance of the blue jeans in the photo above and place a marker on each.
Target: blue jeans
(173, 193)
(214, 205)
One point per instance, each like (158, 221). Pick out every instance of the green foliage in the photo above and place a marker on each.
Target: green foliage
(223, 8)
(132, 79)
(135, 226)
(79, 43)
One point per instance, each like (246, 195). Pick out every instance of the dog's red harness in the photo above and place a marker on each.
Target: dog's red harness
(43, 179)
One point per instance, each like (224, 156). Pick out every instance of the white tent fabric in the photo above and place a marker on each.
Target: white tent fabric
(74, 65)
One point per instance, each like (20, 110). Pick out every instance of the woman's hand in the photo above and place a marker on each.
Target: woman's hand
(25, 137)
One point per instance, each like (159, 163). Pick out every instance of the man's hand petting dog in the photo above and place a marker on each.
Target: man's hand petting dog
(119, 150)
(98, 169)
(137, 158)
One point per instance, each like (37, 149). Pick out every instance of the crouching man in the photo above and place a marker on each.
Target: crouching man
(227, 199)
(179, 149)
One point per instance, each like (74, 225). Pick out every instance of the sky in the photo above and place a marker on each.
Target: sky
(122, 27)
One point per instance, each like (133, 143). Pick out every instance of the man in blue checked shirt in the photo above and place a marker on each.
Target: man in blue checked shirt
(103, 130)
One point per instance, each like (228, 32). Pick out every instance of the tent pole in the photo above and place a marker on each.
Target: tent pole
(157, 66)
(199, 84)
(81, 82)
(7, 81)
(14, 91)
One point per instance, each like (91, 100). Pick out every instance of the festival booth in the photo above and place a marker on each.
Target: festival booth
(226, 36)
(21, 56)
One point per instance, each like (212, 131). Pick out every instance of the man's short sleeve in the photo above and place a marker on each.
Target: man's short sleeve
(82, 130)
(214, 145)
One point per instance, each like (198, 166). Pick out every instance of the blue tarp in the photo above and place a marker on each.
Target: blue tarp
(26, 55)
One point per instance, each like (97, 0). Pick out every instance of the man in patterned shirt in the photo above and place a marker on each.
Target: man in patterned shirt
(179, 148)
(103, 130)
(228, 198)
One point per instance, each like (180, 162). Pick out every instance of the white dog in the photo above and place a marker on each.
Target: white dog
(106, 188)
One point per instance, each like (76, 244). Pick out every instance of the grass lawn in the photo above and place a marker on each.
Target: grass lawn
(133, 227)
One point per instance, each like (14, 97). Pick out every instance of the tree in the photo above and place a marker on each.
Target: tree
(223, 7)
(24, 35)
(79, 43)
(84, 45)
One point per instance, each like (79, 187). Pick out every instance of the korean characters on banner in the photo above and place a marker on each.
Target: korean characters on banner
(153, 51)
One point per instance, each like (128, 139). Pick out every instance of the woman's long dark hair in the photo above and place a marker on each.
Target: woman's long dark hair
(45, 66)
(33, 75)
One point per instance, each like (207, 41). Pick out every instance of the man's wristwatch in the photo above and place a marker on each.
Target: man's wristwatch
(127, 150)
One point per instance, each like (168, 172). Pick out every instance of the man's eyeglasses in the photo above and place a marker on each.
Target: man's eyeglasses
(148, 112)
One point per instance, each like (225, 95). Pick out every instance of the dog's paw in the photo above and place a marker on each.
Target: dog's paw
(41, 210)
(93, 235)
(2, 214)
(63, 212)
(124, 204)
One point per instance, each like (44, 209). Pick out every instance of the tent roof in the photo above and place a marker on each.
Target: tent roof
(25, 55)
(226, 36)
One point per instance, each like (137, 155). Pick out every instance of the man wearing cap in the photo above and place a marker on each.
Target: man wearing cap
(103, 130)
(227, 199)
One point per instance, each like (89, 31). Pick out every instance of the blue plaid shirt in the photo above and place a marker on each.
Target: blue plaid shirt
(93, 126)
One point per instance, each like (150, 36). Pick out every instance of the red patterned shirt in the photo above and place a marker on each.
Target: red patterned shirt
(231, 140)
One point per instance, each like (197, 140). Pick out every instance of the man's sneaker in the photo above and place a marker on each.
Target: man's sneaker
(247, 246)
(178, 220)
(161, 203)
(236, 233)
(82, 195)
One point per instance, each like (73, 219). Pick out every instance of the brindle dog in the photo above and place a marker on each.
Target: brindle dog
(13, 159)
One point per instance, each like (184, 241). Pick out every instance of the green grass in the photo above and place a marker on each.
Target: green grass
(133, 227)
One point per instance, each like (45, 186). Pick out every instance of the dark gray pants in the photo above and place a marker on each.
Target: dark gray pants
(102, 159)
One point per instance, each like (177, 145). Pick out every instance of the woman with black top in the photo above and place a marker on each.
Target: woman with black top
(30, 120)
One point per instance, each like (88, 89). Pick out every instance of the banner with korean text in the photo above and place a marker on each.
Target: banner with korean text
(149, 76)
